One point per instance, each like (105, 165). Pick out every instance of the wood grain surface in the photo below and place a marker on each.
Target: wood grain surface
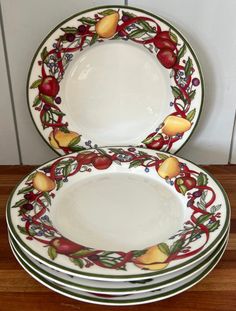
(19, 291)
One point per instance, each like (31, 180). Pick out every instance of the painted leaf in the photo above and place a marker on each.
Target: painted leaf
(59, 184)
(177, 245)
(77, 262)
(94, 39)
(181, 52)
(47, 197)
(162, 156)
(137, 33)
(66, 170)
(70, 30)
(117, 151)
(37, 101)
(215, 208)
(135, 163)
(107, 12)
(192, 94)
(87, 21)
(35, 84)
(44, 53)
(82, 252)
(74, 141)
(19, 203)
(25, 189)
(176, 92)
(164, 248)
(173, 36)
(214, 226)
(202, 179)
(47, 99)
(58, 113)
(31, 176)
(77, 148)
(172, 73)
(128, 14)
(191, 115)
(188, 67)
(203, 218)
(22, 230)
(183, 189)
(46, 117)
(64, 129)
(146, 26)
(52, 252)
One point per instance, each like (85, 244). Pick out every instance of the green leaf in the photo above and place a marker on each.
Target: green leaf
(181, 52)
(188, 67)
(215, 208)
(94, 39)
(46, 117)
(128, 14)
(47, 197)
(148, 140)
(137, 33)
(107, 12)
(192, 94)
(25, 190)
(70, 30)
(77, 148)
(44, 53)
(139, 253)
(35, 84)
(87, 21)
(47, 99)
(202, 179)
(74, 141)
(82, 253)
(190, 116)
(135, 163)
(164, 248)
(214, 226)
(203, 218)
(176, 92)
(59, 184)
(22, 230)
(64, 129)
(37, 101)
(58, 113)
(20, 203)
(173, 36)
(146, 26)
(66, 170)
(162, 156)
(31, 176)
(176, 246)
(117, 150)
(201, 206)
(77, 262)
(52, 252)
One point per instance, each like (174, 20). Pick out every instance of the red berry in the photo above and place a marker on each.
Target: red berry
(161, 43)
(82, 29)
(27, 207)
(167, 57)
(49, 86)
(30, 196)
(196, 81)
(65, 246)
(102, 162)
(70, 37)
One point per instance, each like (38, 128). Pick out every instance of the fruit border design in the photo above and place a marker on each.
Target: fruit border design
(40, 187)
(126, 26)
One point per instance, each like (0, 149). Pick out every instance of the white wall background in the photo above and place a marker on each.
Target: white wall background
(208, 25)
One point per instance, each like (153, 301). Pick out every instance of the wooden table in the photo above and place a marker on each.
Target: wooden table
(19, 291)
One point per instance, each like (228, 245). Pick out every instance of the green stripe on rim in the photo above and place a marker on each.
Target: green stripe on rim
(119, 7)
(155, 297)
(99, 276)
(136, 289)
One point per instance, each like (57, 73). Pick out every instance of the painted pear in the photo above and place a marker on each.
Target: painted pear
(175, 125)
(169, 168)
(106, 27)
(42, 182)
(153, 255)
(61, 139)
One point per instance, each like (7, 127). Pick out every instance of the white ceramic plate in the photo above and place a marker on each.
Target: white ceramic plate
(118, 214)
(133, 299)
(115, 288)
(115, 76)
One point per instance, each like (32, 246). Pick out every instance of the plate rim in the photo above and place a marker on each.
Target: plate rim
(99, 276)
(162, 19)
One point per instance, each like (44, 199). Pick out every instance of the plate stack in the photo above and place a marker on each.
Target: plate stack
(117, 225)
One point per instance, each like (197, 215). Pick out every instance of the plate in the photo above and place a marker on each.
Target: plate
(115, 76)
(133, 299)
(114, 288)
(77, 212)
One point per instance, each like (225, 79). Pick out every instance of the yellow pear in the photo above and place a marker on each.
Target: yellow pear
(43, 183)
(61, 139)
(106, 27)
(175, 125)
(152, 255)
(169, 168)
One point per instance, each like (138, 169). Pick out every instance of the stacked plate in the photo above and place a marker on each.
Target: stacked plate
(117, 225)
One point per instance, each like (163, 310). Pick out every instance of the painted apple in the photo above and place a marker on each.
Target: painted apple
(167, 57)
(154, 141)
(183, 184)
(65, 246)
(49, 86)
(86, 158)
(161, 43)
(102, 162)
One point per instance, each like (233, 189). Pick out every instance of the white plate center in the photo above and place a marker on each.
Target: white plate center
(118, 211)
(115, 92)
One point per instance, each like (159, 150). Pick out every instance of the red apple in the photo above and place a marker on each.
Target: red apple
(64, 246)
(183, 184)
(165, 35)
(86, 158)
(156, 143)
(167, 57)
(49, 86)
(102, 162)
(161, 43)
